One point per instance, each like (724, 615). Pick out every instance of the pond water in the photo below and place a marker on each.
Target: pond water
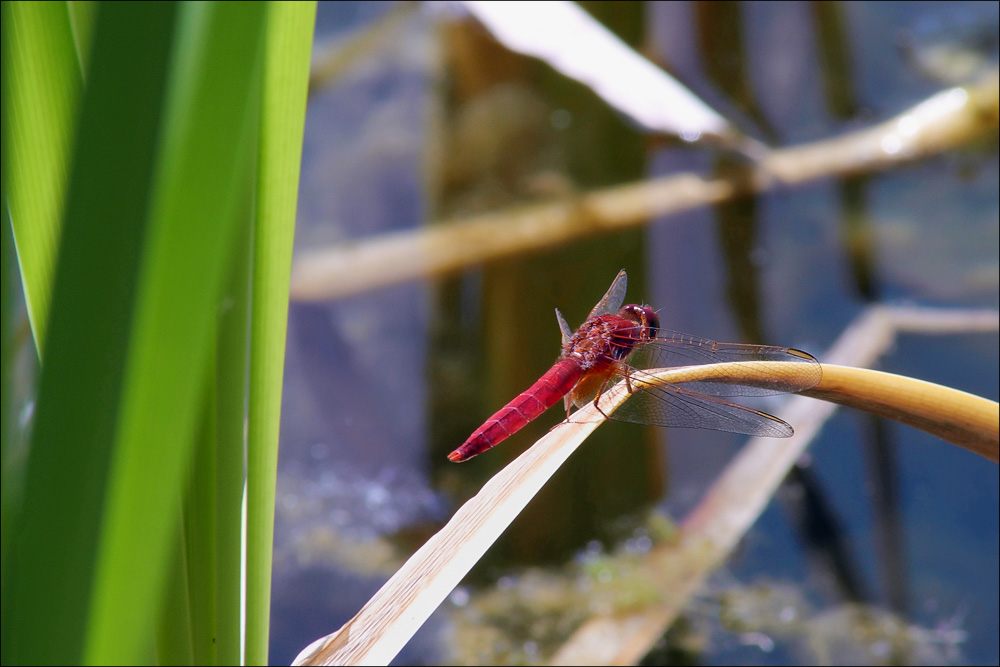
(424, 119)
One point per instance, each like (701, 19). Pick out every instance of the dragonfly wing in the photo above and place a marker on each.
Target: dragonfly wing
(677, 406)
(671, 348)
(564, 329)
(613, 298)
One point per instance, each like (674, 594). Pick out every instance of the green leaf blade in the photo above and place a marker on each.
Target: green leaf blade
(42, 82)
(286, 79)
(83, 363)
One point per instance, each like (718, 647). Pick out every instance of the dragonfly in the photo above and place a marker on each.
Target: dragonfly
(620, 343)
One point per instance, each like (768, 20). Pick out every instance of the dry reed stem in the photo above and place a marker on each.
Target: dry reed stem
(377, 633)
(944, 121)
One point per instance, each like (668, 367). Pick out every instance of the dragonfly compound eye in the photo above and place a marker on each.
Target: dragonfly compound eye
(652, 320)
(644, 316)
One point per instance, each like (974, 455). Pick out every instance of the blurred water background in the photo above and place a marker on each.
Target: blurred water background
(423, 117)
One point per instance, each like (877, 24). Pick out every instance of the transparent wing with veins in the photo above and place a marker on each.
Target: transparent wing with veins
(671, 349)
(697, 404)
(613, 298)
(608, 305)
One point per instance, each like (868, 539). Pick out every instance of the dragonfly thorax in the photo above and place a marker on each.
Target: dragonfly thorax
(603, 339)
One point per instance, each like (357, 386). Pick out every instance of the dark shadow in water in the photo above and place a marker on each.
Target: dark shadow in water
(889, 537)
(859, 244)
(723, 56)
(827, 546)
(579, 144)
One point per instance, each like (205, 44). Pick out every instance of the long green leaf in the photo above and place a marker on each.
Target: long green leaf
(9, 479)
(93, 293)
(231, 373)
(286, 75)
(161, 166)
(203, 178)
(42, 76)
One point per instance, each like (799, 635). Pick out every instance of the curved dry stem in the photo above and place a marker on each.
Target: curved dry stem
(741, 492)
(955, 416)
(750, 373)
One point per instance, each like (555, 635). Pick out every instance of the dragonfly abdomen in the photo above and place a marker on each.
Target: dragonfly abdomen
(528, 405)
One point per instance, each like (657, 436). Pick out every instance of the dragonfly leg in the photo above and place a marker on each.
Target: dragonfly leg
(597, 399)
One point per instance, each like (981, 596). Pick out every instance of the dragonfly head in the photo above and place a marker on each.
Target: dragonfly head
(645, 318)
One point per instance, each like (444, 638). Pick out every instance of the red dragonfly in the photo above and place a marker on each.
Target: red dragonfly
(615, 343)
